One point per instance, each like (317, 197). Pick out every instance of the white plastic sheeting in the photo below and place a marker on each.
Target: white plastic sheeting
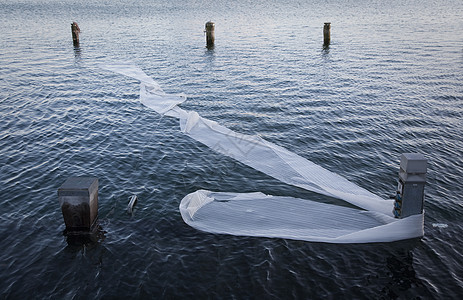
(256, 214)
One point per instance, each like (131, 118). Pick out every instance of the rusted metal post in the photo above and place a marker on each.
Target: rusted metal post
(210, 34)
(326, 34)
(78, 198)
(75, 33)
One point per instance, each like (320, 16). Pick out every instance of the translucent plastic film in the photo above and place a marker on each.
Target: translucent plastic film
(257, 214)
(280, 163)
(261, 215)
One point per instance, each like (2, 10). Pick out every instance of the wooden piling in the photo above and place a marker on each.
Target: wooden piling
(210, 34)
(75, 33)
(326, 34)
(78, 198)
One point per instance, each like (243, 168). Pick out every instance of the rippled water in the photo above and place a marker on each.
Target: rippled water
(390, 82)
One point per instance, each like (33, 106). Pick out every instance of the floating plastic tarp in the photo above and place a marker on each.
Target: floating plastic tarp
(256, 214)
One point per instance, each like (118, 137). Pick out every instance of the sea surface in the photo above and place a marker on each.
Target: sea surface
(390, 82)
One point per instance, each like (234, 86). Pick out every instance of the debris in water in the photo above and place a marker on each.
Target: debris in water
(132, 201)
(439, 225)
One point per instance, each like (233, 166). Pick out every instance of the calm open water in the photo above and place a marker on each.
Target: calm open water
(390, 82)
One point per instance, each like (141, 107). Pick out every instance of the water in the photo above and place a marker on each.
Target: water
(390, 82)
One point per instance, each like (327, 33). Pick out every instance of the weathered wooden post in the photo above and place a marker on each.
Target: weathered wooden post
(326, 34)
(78, 198)
(210, 34)
(75, 33)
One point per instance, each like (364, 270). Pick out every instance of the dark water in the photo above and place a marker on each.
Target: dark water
(390, 82)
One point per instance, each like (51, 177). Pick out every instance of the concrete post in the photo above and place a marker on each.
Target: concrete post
(210, 34)
(326, 34)
(410, 189)
(78, 198)
(75, 33)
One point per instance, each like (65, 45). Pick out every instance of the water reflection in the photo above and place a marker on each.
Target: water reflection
(403, 280)
(210, 51)
(326, 48)
(209, 55)
(77, 52)
(325, 52)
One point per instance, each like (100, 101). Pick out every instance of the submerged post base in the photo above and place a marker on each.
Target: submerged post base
(79, 238)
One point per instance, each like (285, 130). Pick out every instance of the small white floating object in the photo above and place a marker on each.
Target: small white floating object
(132, 201)
(439, 225)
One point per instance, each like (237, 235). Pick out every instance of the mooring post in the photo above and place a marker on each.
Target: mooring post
(210, 34)
(75, 33)
(409, 198)
(78, 198)
(326, 33)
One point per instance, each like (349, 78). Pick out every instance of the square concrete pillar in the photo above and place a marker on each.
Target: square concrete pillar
(78, 198)
(410, 190)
